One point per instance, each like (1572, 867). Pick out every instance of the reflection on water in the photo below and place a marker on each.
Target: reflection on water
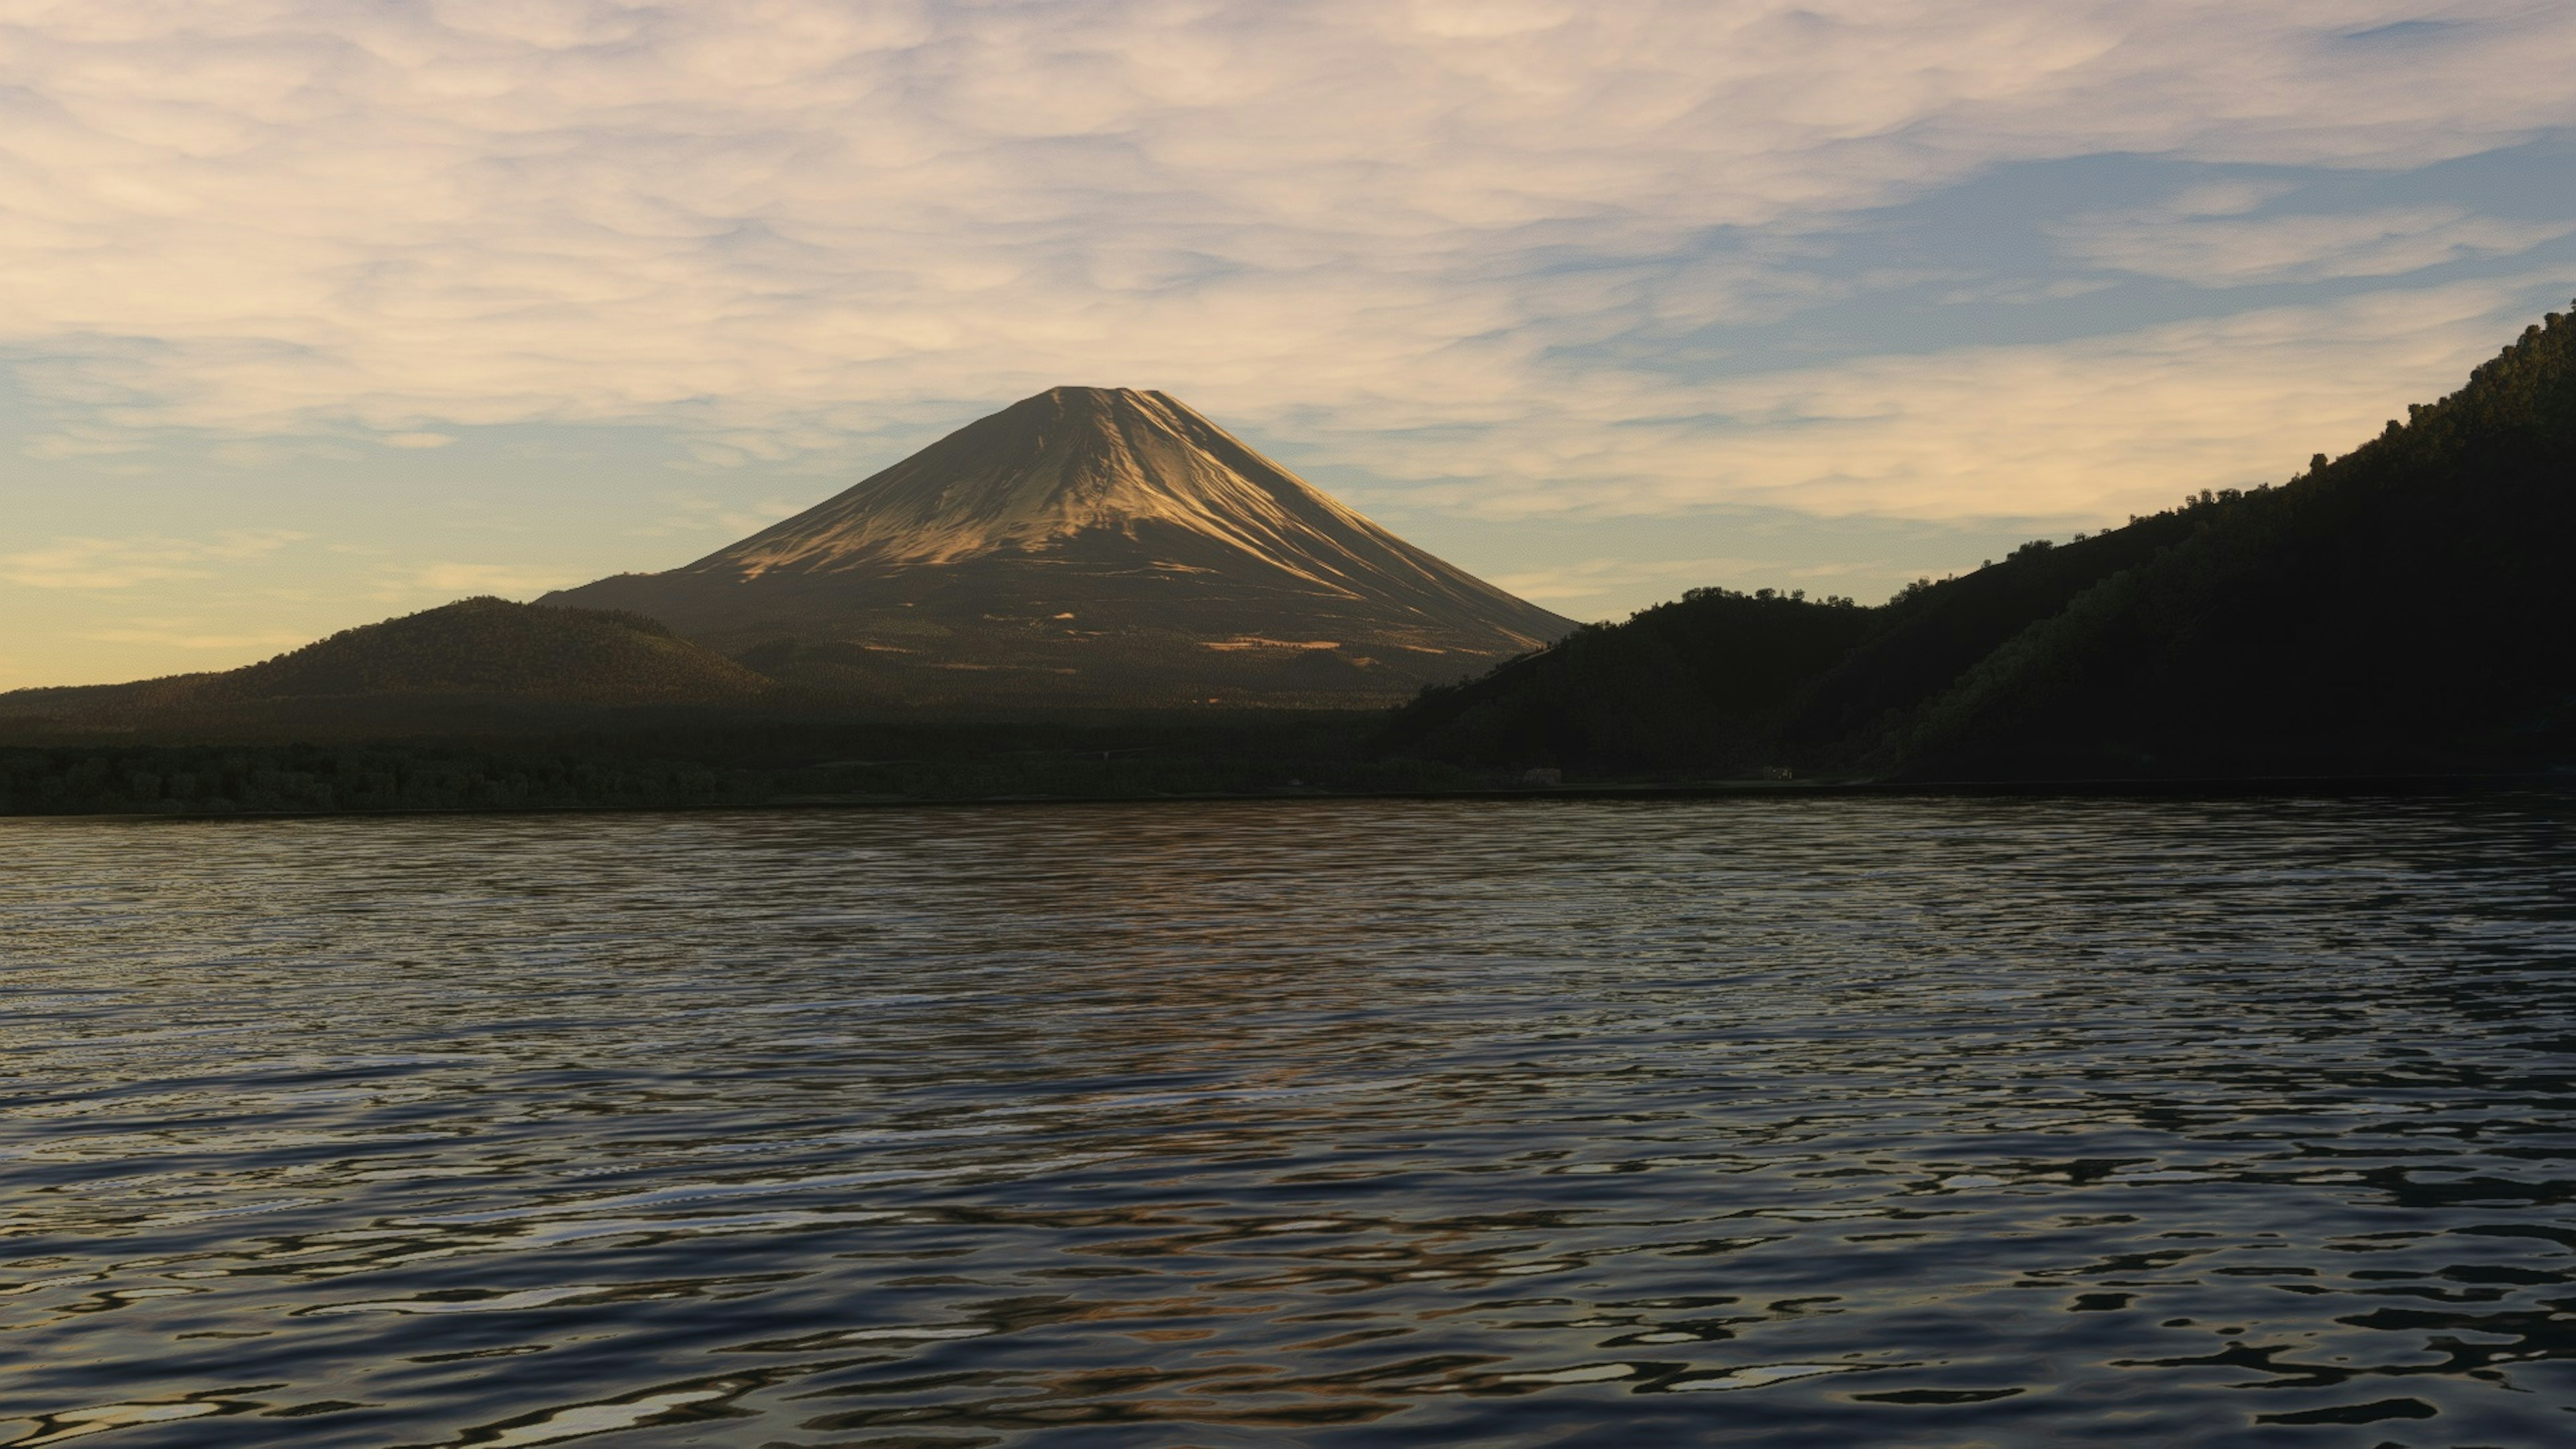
(1821, 1122)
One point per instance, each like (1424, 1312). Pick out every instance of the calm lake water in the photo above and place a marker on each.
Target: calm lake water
(1801, 1122)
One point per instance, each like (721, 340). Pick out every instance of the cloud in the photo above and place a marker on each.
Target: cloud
(2190, 247)
(2089, 428)
(464, 579)
(1596, 578)
(265, 642)
(783, 225)
(121, 563)
(2104, 425)
(708, 516)
(418, 440)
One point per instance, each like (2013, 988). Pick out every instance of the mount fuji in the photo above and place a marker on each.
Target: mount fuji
(1087, 546)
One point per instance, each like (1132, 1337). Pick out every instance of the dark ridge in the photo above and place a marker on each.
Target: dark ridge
(1707, 679)
(492, 646)
(490, 651)
(1922, 640)
(2404, 609)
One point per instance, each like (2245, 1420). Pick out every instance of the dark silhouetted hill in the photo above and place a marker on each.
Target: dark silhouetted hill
(1707, 680)
(1920, 642)
(474, 659)
(2410, 606)
(2403, 609)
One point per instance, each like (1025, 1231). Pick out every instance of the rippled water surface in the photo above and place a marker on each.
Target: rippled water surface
(1829, 1122)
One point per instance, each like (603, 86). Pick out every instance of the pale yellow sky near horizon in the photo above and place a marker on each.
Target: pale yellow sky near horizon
(314, 311)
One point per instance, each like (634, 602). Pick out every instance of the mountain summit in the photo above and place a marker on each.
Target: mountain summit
(1095, 546)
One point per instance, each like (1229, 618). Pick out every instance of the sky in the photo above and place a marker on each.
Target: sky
(313, 312)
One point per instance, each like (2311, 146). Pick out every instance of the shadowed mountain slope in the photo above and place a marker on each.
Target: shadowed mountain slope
(481, 651)
(1706, 680)
(1087, 545)
(2405, 608)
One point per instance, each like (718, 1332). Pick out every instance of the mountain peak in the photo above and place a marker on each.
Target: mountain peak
(1074, 526)
(1038, 475)
(1070, 395)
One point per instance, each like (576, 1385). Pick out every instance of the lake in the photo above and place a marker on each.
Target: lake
(1796, 1121)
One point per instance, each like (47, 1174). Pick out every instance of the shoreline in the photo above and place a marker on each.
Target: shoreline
(2109, 788)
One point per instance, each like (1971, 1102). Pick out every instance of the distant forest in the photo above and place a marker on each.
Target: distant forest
(729, 759)
(2404, 609)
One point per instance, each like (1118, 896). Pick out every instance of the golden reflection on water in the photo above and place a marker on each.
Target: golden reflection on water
(2045, 1122)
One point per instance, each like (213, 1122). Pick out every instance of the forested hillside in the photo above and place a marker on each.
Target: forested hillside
(1707, 679)
(2405, 608)
(2411, 605)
